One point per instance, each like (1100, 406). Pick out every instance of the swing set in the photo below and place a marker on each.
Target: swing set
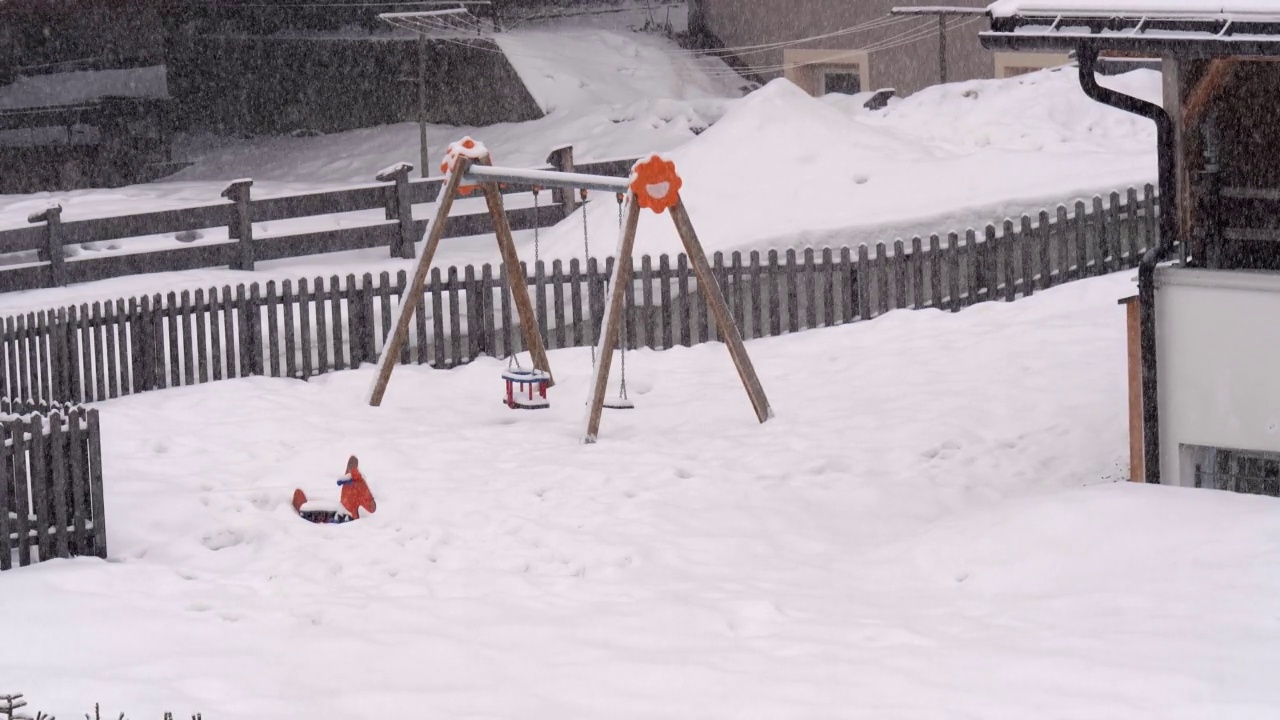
(653, 185)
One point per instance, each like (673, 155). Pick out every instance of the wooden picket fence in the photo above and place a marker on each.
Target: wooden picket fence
(51, 502)
(105, 350)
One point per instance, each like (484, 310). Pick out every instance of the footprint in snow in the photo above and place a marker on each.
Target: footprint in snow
(222, 540)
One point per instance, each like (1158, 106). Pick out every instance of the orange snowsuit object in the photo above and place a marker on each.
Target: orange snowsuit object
(356, 493)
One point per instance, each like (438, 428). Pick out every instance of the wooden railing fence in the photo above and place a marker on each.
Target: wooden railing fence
(51, 502)
(108, 349)
(395, 194)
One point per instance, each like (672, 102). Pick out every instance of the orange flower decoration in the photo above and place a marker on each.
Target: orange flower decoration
(471, 149)
(655, 183)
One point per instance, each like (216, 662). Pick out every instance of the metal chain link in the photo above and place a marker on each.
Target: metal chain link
(586, 252)
(626, 323)
(536, 223)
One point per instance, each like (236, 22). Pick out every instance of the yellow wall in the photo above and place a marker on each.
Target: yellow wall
(803, 67)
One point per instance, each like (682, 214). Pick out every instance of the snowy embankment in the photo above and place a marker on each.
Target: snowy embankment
(933, 526)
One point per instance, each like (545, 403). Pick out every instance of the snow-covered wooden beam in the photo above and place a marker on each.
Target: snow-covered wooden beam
(546, 178)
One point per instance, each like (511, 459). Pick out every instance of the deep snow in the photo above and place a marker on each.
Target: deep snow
(933, 526)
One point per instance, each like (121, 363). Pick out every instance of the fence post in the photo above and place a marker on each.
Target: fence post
(399, 207)
(240, 224)
(562, 160)
(52, 251)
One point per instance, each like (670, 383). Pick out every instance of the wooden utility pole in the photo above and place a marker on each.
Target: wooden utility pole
(943, 13)
(942, 48)
(424, 161)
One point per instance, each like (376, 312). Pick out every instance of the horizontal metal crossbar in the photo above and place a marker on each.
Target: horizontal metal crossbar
(546, 178)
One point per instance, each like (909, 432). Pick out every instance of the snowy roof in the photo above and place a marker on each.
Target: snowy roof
(1139, 8)
(1194, 28)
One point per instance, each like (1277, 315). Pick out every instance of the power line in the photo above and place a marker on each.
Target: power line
(428, 3)
(431, 24)
(878, 23)
(904, 38)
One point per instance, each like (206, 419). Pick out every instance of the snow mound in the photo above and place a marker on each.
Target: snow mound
(783, 169)
(1038, 112)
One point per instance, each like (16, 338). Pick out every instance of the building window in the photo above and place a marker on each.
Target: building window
(1012, 64)
(1247, 471)
(845, 80)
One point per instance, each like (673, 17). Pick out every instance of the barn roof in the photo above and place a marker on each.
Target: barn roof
(1193, 28)
(1137, 8)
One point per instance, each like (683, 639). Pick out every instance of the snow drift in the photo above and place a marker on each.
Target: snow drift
(783, 169)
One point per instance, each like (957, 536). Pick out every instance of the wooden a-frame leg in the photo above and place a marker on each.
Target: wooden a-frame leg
(720, 311)
(618, 284)
(516, 279)
(411, 300)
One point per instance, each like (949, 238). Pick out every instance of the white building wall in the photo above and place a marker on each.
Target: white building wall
(1218, 344)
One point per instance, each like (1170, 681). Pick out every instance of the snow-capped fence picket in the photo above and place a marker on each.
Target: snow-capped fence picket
(51, 502)
(11, 705)
(105, 350)
(49, 253)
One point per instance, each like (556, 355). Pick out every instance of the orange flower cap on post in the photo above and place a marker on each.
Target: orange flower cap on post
(467, 147)
(655, 183)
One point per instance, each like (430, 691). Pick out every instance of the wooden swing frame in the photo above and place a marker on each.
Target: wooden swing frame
(637, 191)
(412, 300)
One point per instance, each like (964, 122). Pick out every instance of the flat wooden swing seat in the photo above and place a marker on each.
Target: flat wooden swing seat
(619, 403)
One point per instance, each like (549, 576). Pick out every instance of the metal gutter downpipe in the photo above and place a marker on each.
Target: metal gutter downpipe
(1087, 57)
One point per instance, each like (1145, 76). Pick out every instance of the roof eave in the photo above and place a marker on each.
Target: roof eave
(1158, 46)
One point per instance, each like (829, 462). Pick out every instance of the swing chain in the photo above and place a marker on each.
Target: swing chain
(536, 223)
(626, 324)
(586, 251)
(586, 244)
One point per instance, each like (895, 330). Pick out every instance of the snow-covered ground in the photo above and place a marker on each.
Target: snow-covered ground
(935, 525)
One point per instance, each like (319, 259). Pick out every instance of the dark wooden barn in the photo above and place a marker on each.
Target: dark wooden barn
(1207, 404)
